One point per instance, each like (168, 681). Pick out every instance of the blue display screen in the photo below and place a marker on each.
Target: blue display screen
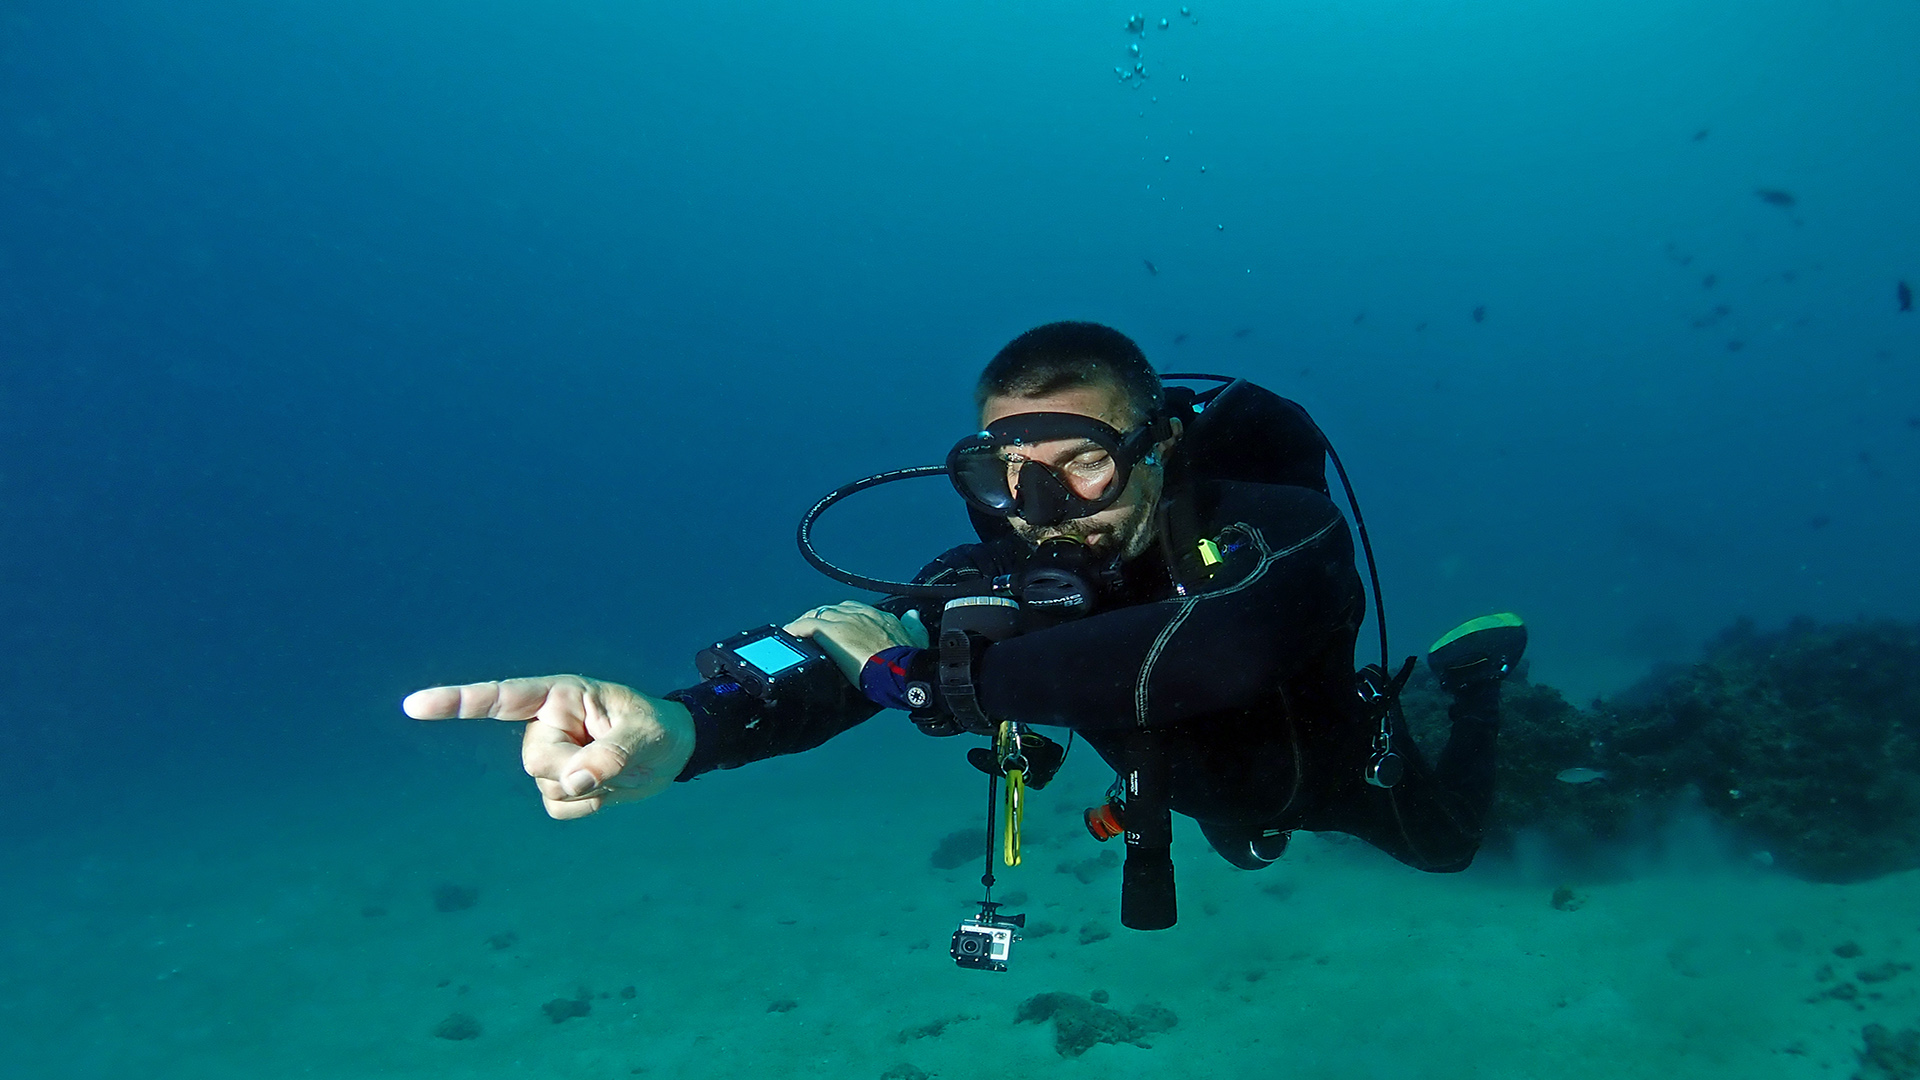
(770, 655)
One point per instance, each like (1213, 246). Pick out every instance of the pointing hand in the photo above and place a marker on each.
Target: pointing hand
(587, 743)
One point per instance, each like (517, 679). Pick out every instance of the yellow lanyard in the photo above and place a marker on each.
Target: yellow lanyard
(1007, 749)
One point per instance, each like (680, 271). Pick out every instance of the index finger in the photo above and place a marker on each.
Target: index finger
(508, 699)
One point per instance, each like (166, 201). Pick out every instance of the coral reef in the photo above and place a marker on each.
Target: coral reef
(1802, 740)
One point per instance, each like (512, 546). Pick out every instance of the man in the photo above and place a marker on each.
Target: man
(1242, 677)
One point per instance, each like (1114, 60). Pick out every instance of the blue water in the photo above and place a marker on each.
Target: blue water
(352, 347)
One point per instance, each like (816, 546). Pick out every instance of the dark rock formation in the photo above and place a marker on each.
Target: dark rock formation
(957, 849)
(561, 1010)
(1079, 1024)
(932, 1028)
(458, 1027)
(1889, 1055)
(1092, 867)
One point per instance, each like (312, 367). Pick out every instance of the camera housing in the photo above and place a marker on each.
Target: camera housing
(985, 942)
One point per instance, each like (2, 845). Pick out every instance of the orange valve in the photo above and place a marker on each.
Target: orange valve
(1108, 821)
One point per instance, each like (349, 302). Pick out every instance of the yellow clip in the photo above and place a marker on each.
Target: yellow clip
(1006, 747)
(1016, 803)
(1209, 553)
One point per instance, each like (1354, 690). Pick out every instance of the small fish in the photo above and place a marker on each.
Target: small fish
(1775, 196)
(1243, 331)
(1904, 294)
(1736, 345)
(1579, 776)
(1151, 269)
(1701, 135)
(1360, 318)
(1179, 338)
(1480, 313)
(1709, 281)
(1720, 311)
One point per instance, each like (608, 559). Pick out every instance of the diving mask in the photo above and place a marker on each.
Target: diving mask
(993, 471)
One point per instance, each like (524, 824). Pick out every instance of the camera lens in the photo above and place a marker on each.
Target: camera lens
(970, 944)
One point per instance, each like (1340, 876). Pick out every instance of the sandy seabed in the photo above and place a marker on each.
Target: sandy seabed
(785, 920)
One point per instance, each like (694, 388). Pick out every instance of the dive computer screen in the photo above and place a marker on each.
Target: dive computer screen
(770, 655)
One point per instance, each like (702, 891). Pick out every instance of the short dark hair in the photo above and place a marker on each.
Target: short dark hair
(1063, 355)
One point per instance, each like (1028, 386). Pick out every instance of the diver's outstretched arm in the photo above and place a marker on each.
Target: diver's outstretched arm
(587, 743)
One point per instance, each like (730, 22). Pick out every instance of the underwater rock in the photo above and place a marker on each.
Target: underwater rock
(957, 849)
(1801, 741)
(1565, 899)
(904, 1071)
(1093, 932)
(932, 1028)
(454, 897)
(781, 1005)
(561, 1010)
(458, 1027)
(1889, 1055)
(1079, 1024)
(1090, 868)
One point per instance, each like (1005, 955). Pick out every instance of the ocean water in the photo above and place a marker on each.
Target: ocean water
(348, 348)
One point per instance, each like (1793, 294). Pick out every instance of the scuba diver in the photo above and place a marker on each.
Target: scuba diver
(1161, 571)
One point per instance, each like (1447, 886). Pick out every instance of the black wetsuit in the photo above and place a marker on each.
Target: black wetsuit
(1249, 682)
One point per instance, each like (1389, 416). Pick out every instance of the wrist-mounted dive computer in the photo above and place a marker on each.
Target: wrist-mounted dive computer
(766, 661)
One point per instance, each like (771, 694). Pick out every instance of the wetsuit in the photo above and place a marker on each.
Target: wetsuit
(1249, 681)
